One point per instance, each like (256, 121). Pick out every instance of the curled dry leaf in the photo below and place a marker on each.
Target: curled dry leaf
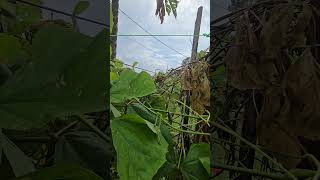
(302, 84)
(160, 11)
(196, 81)
(277, 145)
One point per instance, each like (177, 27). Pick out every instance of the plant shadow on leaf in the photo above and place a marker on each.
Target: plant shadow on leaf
(65, 76)
(86, 149)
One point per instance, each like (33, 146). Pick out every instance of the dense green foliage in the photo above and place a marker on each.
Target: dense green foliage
(74, 83)
(65, 172)
(142, 137)
(142, 131)
(49, 72)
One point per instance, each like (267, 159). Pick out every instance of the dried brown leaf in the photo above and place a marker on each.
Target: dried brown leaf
(186, 79)
(160, 11)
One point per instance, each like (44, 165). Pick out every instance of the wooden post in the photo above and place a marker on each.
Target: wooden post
(196, 33)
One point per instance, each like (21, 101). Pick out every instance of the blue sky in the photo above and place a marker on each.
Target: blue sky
(155, 55)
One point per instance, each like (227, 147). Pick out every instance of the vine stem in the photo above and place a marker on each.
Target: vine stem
(159, 110)
(94, 128)
(316, 162)
(177, 129)
(303, 173)
(186, 131)
(253, 146)
(192, 124)
(57, 134)
(181, 151)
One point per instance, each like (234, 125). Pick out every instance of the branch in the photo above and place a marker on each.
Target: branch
(299, 173)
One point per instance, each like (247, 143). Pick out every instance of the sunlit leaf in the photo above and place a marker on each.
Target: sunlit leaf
(158, 102)
(115, 111)
(139, 152)
(131, 85)
(113, 76)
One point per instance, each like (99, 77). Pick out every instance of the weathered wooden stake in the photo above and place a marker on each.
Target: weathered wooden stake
(193, 59)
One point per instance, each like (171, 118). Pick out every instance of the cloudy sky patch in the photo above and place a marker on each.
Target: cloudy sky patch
(153, 55)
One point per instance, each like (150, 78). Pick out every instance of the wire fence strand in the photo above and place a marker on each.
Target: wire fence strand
(163, 35)
(62, 12)
(135, 22)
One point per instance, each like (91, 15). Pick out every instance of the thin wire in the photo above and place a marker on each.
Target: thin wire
(64, 13)
(132, 39)
(175, 35)
(142, 45)
(139, 68)
(135, 67)
(85, 19)
(150, 33)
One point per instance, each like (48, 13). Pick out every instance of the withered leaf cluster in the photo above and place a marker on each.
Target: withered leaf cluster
(194, 78)
(278, 60)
